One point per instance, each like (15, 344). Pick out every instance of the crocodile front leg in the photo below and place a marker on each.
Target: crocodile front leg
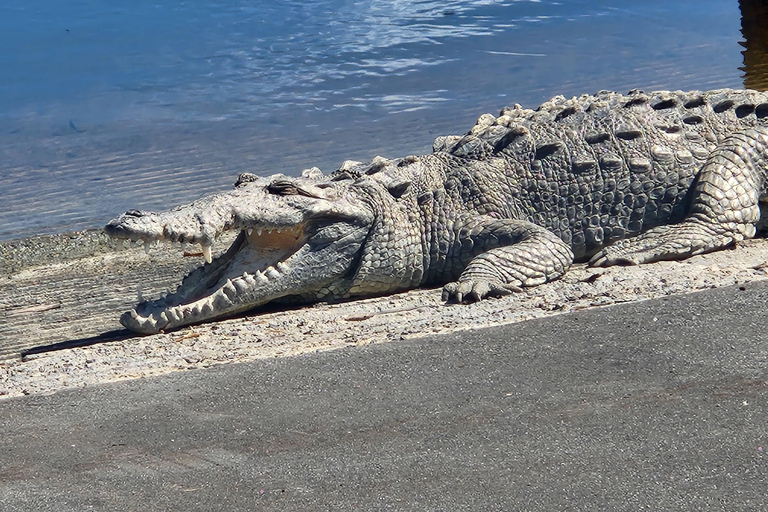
(501, 255)
(725, 207)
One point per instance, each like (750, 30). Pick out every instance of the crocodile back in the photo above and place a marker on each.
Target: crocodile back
(598, 168)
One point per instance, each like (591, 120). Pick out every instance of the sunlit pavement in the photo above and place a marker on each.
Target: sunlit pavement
(660, 405)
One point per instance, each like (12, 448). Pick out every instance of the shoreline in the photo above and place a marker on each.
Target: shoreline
(76, 299)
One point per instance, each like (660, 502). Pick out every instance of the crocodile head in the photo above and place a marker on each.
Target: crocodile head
(300, 239)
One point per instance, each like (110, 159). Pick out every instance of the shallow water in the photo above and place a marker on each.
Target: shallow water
(105, 108)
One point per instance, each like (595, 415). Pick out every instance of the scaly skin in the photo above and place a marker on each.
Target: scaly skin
(618, 179)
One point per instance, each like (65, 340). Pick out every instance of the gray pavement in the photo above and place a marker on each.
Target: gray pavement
(660, 405)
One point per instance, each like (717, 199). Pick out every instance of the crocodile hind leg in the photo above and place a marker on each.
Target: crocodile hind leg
(724, 209)
(501, 255)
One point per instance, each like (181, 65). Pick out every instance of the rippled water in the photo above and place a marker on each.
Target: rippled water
(107, 106)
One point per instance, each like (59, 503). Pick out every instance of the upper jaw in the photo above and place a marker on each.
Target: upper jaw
(201, 222)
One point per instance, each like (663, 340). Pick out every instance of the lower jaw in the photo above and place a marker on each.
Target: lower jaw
(167, 320)
(226, 282)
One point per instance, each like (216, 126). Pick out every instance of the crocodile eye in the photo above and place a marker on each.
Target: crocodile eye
(282, 188)
(289, 188)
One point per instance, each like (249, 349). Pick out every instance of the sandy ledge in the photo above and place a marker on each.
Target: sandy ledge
(329, 326)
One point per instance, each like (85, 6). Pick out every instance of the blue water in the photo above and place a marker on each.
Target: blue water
(106, 106)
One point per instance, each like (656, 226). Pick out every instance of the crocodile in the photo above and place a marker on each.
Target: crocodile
(607, 178)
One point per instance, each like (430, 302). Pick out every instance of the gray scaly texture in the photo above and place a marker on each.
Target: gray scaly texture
(609, 178)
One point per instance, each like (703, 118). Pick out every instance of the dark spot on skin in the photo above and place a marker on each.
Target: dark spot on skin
(508, 139)
(695, 102)
(693, 120)
(597, 138)
(569, 111)
(744, 110)
(635, 102)
(629, 134)
(399, 189)
(669, 129)
(584, 165)
(665, 104)
(723, 106)
(546, 150)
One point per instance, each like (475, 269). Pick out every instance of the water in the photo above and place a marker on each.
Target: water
(106, 106)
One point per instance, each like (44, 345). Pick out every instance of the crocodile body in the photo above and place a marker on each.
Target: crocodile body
(609, 178)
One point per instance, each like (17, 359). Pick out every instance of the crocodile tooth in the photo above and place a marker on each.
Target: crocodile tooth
(119, 244)
(229, 289)
(163, 318)
(221, 299)
(134, 314)
(250, 231)
(172, 314)
(260, 277)
(258, 231)
(279, 230)
(207, 253)
(241, 285)
(282, 267)
(147, 246)
(271, 273)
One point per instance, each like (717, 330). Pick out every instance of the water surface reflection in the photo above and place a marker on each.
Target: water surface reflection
(106, 107)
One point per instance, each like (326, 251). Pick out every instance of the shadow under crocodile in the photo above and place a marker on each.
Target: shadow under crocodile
(105, 337)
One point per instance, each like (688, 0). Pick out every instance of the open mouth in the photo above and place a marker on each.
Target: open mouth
(232, 282)
(298, 240)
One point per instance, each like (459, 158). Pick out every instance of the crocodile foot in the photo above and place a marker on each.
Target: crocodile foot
(474, 290)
